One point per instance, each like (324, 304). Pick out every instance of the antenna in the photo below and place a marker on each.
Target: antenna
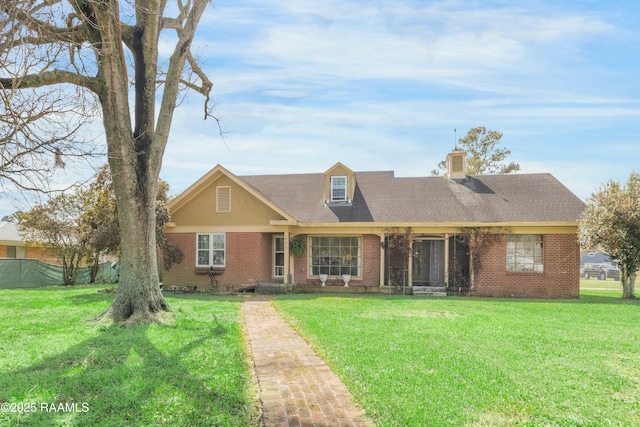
(455, 140)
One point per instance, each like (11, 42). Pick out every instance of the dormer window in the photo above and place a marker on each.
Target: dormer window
(339, 185)
(338, 188)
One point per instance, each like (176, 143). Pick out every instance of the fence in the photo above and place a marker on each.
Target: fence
(30, 273)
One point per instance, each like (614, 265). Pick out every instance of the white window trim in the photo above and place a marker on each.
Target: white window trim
(211, 250)
(346, 187)
(275, 267)
(536, 267)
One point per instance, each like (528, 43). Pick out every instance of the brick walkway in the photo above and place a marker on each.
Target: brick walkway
(297, 388)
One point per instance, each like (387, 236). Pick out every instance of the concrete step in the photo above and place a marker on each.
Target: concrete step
(430, 291)
(274, 288)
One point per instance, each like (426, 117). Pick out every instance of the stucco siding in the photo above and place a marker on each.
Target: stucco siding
(245, 208)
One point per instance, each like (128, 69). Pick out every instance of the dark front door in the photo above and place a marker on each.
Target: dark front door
(428, 263)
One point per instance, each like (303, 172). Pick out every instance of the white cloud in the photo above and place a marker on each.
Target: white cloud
(381, 86)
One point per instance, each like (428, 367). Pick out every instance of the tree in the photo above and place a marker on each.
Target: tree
(611, 221)
(100, 221)
(56, 227)
(171, 253)
(483, 156)
(34, 145)
(83, 44)
(83, 224)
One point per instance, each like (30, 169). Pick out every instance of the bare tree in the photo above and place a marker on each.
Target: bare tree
(84, 43)
(38, 134)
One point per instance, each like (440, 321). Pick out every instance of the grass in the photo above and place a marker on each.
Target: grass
(480, 362)
(609, 284)
(192, 372)
(409, 361)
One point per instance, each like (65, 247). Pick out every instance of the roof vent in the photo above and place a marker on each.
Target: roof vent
(456, 164)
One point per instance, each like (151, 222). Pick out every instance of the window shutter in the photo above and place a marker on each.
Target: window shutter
(224, 199)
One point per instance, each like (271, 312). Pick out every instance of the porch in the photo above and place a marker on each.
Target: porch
(427, 264)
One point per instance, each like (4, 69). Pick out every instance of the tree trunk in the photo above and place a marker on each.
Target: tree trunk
(134, 163)
(138, 297)
(135, 144)
(628, 281)
(94, 268)
(70, 268)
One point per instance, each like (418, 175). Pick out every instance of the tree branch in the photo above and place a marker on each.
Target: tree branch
(49, 78)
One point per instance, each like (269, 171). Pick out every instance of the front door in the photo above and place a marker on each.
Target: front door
(428, 263)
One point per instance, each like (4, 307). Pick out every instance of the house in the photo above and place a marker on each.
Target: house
(492, 235)
(11, 243)
(13, 246)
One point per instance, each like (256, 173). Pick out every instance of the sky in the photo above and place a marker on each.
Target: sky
(390, 85)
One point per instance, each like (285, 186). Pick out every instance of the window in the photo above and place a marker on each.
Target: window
(278, 256)
(524, 253)
(210, 250)
(223, 195)
(338, 188)
(335, 256)
(12, 252)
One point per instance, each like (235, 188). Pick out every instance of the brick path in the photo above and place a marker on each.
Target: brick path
(297, 388)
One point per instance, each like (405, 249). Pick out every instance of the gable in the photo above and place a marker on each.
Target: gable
(222, 200)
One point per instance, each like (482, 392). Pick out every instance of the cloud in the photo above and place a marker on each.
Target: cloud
(446, 43)
(381, 85)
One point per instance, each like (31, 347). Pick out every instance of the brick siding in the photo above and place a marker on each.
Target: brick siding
(560, 279)
(248, 260)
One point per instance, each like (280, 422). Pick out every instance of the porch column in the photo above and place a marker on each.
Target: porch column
(287, 259)
(446, 259)
(410, 265)
(382, 253)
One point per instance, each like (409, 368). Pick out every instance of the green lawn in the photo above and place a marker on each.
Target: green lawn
(480, 361)
(409, 361)
(609, 284)
(190, 373)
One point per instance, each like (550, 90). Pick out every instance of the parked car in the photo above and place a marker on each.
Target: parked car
(601, 271)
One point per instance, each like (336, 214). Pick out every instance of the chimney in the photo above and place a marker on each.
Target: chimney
(456, 164)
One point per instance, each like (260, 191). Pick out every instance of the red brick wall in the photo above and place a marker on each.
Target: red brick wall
(561, 277)
(248, 259)
(370, 270)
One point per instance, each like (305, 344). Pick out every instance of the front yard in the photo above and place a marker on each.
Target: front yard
(480, 362)
(409, 361)
(58, 369)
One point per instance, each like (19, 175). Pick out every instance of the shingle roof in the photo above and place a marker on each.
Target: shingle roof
(381, 197)
(9, 232)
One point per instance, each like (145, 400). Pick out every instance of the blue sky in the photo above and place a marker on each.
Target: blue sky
(381, 85)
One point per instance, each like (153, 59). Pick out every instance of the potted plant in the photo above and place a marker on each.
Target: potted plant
(297, 246)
